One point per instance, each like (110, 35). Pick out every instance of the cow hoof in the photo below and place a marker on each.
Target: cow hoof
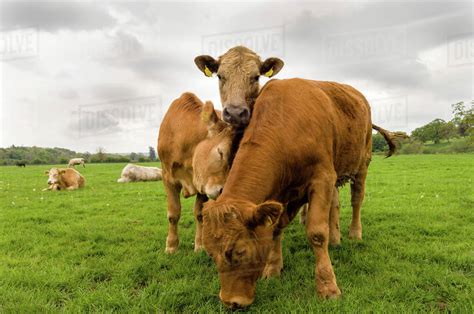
(328, 292)
(355, 234)
(198, 248)
(335, 243)
(271, 271)
(170, 250)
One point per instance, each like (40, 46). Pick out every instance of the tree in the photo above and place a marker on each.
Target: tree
(432, 131)
(152, 153)
(101, 154)
(378, 143)
(463, 118)
(133, 156)
(449, 131)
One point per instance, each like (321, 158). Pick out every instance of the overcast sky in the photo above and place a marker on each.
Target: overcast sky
(81, 75)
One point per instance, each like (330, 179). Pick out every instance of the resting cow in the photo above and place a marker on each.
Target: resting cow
(134, 173)
(182, 135)
(64, 179)
(305, 138)
(76, 161)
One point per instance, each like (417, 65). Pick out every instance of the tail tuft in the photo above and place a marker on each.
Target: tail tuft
(392, 139)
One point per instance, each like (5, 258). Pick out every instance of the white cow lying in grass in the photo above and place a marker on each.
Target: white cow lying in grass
(64, 179)
(76, 161)
(134, 173)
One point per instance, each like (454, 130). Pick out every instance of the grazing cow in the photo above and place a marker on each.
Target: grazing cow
(76, 161)
(305, 139)
(134, 173)
(64, 179)
(21, 164)
(181, 132)
(238, 70)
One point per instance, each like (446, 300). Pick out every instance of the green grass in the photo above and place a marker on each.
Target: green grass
(102, 248)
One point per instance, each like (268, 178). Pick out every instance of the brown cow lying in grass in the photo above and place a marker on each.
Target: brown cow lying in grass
(305, 138)
(64, 179)
(182, 135)
(135, 173)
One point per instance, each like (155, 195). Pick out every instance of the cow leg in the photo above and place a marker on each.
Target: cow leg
(174, 213)
(357, 196)
(334, 230)
(275, 258)
(198, 203)
(317, 230)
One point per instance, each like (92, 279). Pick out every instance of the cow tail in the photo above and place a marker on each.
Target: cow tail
(391, 138)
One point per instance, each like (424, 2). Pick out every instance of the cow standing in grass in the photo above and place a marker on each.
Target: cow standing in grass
(76, 161)
(135, 173)
(64, 179)
(304, 140)
(188, 127)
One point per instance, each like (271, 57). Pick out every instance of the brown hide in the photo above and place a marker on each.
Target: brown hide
(304, 138)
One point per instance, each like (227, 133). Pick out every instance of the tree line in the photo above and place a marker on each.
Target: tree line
(40, 155)
(439, 136)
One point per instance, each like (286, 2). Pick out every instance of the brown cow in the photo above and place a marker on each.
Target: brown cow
(64, 179)
(181, 132)
(305, 139)
(238, 70)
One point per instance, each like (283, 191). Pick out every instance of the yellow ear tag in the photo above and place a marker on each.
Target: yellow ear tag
(207, 71)
(205, 116)
(269, 73)
(268, 222)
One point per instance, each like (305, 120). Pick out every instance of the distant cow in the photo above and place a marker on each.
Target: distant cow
(305, 139)
(21, 164)
(76, 161)
(134, 173)
(188, 127)
(64, 179)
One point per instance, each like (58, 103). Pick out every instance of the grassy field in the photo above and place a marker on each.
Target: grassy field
(102, 248)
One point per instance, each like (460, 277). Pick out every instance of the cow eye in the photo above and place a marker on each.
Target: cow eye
(255, 78)
(221, 78)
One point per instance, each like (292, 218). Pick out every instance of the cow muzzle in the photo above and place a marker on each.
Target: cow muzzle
(236, 115)
(236, 302)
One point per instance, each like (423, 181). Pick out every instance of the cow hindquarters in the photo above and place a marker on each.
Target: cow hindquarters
(174, 213)
(357, 197)
(198, 203)
(317, 230)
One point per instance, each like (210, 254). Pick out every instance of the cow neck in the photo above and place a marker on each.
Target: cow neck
(252, 176)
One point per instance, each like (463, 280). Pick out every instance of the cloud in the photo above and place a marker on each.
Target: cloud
(395, 53)
(54, 16)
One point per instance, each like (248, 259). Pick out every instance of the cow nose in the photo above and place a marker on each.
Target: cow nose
(50, 182)
(237, 115)
(238, 303)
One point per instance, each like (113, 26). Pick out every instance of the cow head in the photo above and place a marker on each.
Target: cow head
(238, 235)
(238, 70)
(211, 156)
(54, 175)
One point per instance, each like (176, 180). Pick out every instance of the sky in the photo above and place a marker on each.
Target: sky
(84, 75)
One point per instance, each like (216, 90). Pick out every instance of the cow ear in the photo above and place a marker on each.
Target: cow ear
(46, 172)
(209, 116)
(62, 171)
(271, 67)
(207, 64)
(266, 214)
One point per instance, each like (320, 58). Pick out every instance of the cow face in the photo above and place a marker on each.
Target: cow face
(54, 175)
(211, 156)
(238, 235)
(238, 71)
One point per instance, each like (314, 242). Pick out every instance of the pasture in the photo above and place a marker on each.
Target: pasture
(102, 248)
